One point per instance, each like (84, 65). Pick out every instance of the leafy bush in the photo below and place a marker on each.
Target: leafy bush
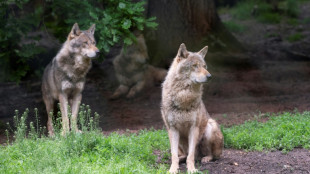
(115, 20)
(14, 55)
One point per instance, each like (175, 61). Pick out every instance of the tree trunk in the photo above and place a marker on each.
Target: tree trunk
(193, 22)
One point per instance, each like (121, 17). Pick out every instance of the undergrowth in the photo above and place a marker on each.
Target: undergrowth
(92, 152)
(266, 12)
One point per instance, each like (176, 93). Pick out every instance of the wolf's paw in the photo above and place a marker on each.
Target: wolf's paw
(206, 159)
(51, 134)
(173, 171)
(192, 170)
(77, 131)
(114, 96)
(64, 133)
(130, 95)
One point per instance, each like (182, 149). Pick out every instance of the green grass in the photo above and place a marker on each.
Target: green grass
(285, 132)
(92, 152)
(295, 37)
(89, 152)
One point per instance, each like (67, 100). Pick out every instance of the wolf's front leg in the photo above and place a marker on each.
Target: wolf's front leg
(122, 89)
(192, 142)
(63, 100)
(174, 138)
(135, 89)
(76, 101)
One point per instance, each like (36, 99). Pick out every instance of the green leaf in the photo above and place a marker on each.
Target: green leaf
(151, 24)
(126, 24)
(93, 15)
(122, 5)
(127, 41)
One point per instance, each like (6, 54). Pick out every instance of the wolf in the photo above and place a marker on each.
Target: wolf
(133, 71)
(192, 133)
(64, 76)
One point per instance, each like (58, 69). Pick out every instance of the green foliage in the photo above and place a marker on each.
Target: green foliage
(115, 21)
(283, 132)
(295, 37)
(234, 27)
(291, 8)
(265, 12)
(14, 54)
(271, 18)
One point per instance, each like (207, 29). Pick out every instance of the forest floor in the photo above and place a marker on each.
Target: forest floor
(275, 79)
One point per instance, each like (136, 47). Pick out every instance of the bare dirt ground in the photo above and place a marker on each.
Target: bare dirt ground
(275, 78)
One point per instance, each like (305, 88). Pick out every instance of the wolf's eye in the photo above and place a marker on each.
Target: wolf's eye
(94, 43)
(195, 65)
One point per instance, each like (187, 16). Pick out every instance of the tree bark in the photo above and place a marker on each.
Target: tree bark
(193, 22)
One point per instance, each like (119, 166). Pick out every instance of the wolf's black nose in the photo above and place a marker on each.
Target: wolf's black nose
(209, 75)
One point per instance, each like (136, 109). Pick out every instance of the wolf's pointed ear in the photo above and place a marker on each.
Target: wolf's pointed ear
(182, 53)
(92, 29)
(75, 31)
(203, 51)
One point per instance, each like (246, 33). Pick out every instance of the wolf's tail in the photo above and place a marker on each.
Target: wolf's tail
(158, 74)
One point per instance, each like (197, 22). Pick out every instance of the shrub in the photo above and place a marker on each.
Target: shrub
(115, 20)
(295, 37)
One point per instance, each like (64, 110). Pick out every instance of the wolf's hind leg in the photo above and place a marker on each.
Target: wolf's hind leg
(212, 142)
(49, 104)
(122, 89)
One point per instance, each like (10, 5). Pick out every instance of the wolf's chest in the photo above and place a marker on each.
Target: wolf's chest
(182, 119)
(70, 87)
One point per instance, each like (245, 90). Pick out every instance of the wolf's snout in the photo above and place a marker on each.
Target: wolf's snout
(209, 75)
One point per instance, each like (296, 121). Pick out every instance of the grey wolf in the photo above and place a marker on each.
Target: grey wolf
(133, 71)
(64, 76)
(192, 133)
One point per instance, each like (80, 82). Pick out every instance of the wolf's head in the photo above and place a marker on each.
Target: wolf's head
(192, 64)
(83, 42)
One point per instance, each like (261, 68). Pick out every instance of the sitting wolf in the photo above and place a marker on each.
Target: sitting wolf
(192, 133)
(132, 70)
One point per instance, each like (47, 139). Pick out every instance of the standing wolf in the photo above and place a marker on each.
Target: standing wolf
(192, 133)
(64, 77)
